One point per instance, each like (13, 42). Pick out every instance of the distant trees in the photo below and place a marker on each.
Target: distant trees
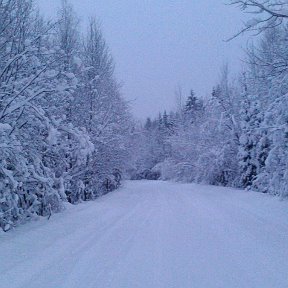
(238, 136)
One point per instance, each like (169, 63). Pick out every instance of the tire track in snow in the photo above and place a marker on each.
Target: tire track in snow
(60, 251)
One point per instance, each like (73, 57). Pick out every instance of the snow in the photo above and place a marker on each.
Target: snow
(4, 126)
(154, 234)
(253, 22)
(77, 61)
(53, 135)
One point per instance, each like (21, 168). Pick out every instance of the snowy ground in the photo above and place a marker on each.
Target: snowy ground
(154, 234)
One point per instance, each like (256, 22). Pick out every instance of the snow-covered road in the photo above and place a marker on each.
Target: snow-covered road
(153, 234)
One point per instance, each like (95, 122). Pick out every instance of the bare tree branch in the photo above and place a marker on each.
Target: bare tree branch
(273, 13)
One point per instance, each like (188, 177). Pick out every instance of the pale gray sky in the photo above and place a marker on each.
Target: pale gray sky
(158, 45)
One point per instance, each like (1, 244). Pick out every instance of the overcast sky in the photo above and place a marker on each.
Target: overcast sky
(159, 45)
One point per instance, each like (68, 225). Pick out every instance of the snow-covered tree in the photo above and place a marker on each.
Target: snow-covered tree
(268, 14)
(27, 184)
(47, 144)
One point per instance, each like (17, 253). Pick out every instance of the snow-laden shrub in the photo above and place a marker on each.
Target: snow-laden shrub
(171, 170)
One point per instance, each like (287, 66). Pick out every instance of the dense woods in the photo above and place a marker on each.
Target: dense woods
(66, 134)
(236, 137)
(62, 118)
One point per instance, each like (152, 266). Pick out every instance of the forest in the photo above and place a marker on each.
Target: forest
(237, 137)
(67, 133)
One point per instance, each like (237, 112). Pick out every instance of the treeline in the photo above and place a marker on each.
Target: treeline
(63, 122)
(237, 137)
